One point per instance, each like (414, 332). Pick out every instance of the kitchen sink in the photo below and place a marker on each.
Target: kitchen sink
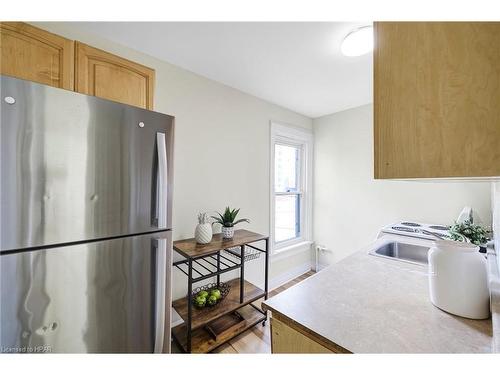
(402, 251)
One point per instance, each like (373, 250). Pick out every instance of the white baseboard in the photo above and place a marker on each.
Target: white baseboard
(289, 275)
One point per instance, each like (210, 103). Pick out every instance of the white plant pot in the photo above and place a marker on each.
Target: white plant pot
(458, 279)
(227, 232)
(203, 233)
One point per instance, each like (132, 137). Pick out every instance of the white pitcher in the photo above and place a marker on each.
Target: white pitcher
(458, 279)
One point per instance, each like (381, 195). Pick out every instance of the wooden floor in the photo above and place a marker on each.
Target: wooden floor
(257, 339)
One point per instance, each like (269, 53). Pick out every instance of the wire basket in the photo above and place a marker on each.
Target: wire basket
(250, 253)
(224, 289)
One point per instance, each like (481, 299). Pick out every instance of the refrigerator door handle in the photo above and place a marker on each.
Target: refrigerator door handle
(161, 181)
(160, 287)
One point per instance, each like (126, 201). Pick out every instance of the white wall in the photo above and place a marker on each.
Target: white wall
(350, 206)
(495, 205)
(221, 148)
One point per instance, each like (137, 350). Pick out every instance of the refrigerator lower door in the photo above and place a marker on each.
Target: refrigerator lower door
(101, 297)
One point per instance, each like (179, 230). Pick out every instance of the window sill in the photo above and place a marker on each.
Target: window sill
(291, 250)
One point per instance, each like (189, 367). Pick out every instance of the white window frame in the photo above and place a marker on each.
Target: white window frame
(293, 136)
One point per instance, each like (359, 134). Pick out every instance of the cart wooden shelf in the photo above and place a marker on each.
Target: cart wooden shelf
(205, 329)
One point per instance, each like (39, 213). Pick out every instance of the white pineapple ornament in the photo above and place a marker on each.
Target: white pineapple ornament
(203, 232)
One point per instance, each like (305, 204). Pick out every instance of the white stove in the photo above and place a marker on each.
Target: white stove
(418, 230)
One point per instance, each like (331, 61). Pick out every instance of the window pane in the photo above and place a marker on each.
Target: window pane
(286, 168)
(286, 217)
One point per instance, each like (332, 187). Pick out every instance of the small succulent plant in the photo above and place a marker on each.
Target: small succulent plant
(475, 233)
(228, 219)
(203, 218)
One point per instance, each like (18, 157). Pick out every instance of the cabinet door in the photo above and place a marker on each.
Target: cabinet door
(108, 76)
(436, 99)
(80, 168)
(36, 55)
(93, 297)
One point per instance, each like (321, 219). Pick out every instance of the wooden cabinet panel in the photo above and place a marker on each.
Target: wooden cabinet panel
(33, 54)
(437, 99)
(108, 76)
(285, 339)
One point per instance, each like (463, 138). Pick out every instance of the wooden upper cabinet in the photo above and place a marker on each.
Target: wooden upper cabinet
(30, 53)
(437, 99)
(108, 76)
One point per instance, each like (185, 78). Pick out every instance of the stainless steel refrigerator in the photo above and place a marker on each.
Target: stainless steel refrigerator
(86, 219)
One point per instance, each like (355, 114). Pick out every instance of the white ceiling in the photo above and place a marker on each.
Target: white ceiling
(297, 65)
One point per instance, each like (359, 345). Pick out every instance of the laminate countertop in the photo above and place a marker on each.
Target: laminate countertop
(369, 304)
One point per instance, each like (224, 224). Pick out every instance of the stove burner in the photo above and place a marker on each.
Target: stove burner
(404, 229)
(438, 227)
(441, 235)
(409, 224)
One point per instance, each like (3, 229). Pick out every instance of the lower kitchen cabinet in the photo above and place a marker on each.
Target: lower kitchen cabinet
(290, 338)
(285, 339)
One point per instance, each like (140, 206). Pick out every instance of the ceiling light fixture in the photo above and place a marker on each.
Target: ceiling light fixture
(358, 42)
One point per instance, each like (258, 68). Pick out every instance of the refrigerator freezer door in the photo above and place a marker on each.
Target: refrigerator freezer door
(99, 297)
(75, 167)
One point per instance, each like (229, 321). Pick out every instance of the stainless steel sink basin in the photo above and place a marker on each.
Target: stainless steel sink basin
(402, 251)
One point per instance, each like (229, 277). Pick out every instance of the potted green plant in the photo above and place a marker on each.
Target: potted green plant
(473, 232)
(228, 221)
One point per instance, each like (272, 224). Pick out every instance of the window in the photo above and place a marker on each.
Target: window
(291, 151)
(287, 192)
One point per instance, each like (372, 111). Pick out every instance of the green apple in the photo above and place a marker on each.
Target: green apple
(216, 293)
(203, 294)
(212, 300)
(200, 301)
